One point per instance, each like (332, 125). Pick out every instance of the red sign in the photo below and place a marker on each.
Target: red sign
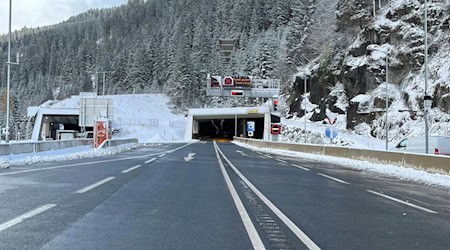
(275, 129)
(228, 81)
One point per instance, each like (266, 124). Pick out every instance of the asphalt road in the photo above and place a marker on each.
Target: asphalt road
(224, 197)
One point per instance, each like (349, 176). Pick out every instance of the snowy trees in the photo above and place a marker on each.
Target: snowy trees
(166, 46)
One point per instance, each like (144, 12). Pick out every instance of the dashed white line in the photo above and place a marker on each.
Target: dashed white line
(268, 156)
(281, 161)
(90, 187)
(162, 155)
(248, 224)
(89, 163)
(151, 160)
(332, 178)
(131, 169)
(25, 216)
(297, 166)
(291, 225)
(403, 202)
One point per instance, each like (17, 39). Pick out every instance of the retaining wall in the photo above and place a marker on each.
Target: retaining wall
(430, 163)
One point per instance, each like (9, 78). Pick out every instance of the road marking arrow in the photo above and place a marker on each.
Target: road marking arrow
(240, 152)
(190, 157)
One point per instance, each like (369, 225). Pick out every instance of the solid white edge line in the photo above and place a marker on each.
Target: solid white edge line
(90, 187)
(131, 169)
(162, 155)
(248, 224)
(90, 163)
(281, 160)
(297, 166)
(332, 178)
(403, 202)
(296, 230)
(151, 160)
(25, 216)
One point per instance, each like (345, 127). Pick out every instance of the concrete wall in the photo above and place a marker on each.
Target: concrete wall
(430, 163)
(117, 142)
(31, 147)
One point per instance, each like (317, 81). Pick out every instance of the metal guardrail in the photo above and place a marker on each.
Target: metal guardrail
(429, 163)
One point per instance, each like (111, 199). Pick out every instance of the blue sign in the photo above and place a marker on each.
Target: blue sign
(331, 132)
(250, 126)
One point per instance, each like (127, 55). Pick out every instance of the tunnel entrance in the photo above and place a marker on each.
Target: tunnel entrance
(225, 123)
(209, 129)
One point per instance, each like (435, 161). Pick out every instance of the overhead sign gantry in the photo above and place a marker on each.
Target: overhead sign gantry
(242, 86)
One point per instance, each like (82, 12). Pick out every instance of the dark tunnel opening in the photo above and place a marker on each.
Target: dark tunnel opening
(210, 129)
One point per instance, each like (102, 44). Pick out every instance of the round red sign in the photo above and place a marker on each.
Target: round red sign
(275, 129)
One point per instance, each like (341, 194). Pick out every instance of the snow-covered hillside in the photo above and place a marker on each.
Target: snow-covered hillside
(351, 80)
(147, 117)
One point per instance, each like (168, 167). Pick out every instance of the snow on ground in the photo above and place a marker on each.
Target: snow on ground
(345, 137)
(146, 117)
(398, 172)
(66, 154)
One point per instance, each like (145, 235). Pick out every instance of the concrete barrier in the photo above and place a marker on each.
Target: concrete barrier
(4, 149)
(117, 142)
(430, 163)
(30, 147)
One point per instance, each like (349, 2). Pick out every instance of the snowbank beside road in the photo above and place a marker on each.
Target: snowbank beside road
(398, 172)
(66, 154)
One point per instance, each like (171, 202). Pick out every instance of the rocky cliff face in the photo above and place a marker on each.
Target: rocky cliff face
(352, 80)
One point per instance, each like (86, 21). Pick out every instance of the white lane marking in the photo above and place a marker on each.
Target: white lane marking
(297, 166)
(151, 160)
(240, 152)
(296, 230)
(281, 160)
(90, 187)
(25, 216)
(89, 163)
(131, 169)
(268, 156)
(403, 202)
(162, 155)
(332, 178)
(259, 153)
(248, 224)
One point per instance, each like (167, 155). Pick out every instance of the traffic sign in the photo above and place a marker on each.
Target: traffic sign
(331, 132)
(275, 129)
(250, 126)
(228, 81)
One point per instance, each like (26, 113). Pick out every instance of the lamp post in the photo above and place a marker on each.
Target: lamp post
(386, 53)
(306, 110)
(427, 98)
(8, 78)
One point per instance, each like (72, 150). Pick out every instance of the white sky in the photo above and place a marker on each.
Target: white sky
(34, 13)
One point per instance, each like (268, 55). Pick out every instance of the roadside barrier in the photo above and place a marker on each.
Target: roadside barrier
(117, 142)
(32, 147)
(429, 163)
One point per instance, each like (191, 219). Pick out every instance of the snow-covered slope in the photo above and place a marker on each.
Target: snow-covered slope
(147, 117)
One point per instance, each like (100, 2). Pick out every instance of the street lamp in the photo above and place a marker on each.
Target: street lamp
(427, 98)
(386, 53)
(8, 78)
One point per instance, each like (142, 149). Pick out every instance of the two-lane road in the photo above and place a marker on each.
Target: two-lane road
(223, 197)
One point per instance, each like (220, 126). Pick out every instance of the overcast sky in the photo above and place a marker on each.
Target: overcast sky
(34, 13)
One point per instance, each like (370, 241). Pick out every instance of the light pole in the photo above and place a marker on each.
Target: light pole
(305, 103)
(386, 53)
(427, 99)
(8, 77)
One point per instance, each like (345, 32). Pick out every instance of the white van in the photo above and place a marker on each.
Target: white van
(438, 145)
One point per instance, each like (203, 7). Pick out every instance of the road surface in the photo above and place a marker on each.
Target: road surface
(215, 196)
